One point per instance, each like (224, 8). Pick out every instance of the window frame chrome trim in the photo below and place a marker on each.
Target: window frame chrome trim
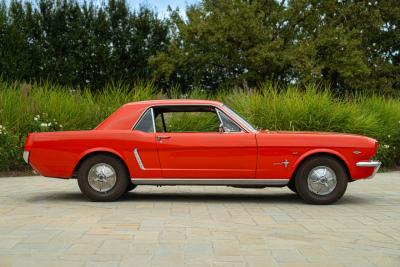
(218, 107)
(220, 119)
(154, 120)
(231, 113)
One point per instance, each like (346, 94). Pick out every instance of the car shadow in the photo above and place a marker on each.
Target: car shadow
(196, 197)
(214, 197)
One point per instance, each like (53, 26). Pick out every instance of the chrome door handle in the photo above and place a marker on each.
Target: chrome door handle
(160, 137)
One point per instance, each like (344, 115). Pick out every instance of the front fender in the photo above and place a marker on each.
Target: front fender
(313, 152)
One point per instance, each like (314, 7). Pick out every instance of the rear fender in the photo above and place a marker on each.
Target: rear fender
(98, 150)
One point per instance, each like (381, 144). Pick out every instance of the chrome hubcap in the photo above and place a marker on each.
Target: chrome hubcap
(102, 177)
(321, 180)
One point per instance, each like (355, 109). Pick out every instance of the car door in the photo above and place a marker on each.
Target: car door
(206, 154)
(144, 148)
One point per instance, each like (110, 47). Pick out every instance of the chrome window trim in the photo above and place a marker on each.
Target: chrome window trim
(154, 120)
(239, 118)
(370, 164)
(234, 122)
(217, 107)
(209, 181)
(219, 116)
(138, 159)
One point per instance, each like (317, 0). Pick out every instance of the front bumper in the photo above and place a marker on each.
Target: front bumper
(370, 164)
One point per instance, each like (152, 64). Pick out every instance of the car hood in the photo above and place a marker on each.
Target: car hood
(314, 139)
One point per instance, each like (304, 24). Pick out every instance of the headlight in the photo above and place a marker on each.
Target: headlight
(26, 156)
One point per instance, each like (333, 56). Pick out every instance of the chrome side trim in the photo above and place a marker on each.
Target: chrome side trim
(206, 181)
(370, 164)
(138, 159)
(26, 156)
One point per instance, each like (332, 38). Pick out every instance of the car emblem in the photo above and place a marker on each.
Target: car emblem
(285, 163)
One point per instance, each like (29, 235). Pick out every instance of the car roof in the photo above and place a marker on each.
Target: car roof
(176, 102)
(126, 116)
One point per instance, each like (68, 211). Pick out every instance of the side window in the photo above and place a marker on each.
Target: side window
(145, 123)
(191, 121)
(227, 124)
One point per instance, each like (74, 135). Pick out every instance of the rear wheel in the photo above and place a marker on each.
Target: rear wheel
(103, 178)
(321, 180)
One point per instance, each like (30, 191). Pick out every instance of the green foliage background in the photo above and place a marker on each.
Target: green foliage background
(285, 65)
(31, 108)
(348, 46)
(78, 44)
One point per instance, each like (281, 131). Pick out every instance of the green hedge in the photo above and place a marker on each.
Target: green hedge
(32, 108)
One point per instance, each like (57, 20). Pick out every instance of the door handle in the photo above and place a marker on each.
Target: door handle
(160, 137)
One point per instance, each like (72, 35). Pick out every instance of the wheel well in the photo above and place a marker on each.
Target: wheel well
(337, 158)
(92, 154)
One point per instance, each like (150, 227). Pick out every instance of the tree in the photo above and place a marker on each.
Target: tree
(78, 44)
(224, 43)
(349, 45)
(324, 46)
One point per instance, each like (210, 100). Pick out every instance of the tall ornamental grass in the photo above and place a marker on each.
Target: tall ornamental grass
(33, 108)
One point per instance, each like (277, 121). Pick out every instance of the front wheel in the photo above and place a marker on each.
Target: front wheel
(103, 178)
(321, 180)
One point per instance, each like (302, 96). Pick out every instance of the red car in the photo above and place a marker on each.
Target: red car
(198, 142)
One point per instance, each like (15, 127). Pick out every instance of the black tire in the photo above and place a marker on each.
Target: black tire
(118, 189)
(292, 187)
(130, 187)
(301, 180)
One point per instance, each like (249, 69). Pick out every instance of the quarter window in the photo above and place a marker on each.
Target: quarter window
(191, 121)
(145, 123)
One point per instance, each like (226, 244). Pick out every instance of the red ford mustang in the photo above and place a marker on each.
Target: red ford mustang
(196, 142)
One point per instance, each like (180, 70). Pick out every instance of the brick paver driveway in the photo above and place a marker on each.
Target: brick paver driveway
(47, 222)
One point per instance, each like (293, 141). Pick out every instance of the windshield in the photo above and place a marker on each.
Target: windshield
(238, 117)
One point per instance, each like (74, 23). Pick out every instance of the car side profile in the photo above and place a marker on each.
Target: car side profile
(199, 142)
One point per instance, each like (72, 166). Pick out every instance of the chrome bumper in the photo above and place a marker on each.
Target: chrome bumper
(368, 164)
(26, 156)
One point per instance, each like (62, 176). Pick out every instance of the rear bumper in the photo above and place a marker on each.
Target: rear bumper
(26, 156)
(370, 164)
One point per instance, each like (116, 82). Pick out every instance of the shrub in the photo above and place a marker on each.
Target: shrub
(34, 108)
(10, 151)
